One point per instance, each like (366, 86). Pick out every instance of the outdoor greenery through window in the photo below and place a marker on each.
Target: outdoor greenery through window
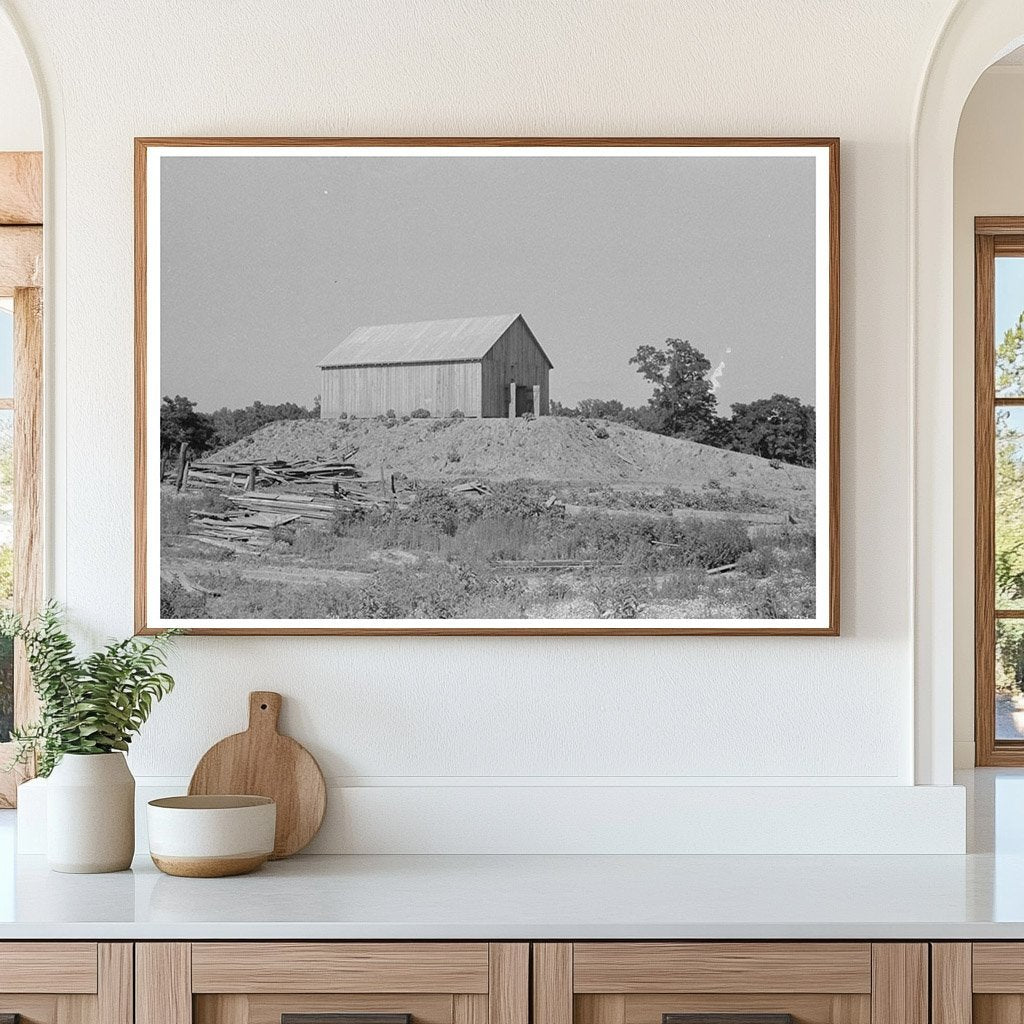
(1009, 496)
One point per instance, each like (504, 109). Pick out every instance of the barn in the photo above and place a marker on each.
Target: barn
(481, 366)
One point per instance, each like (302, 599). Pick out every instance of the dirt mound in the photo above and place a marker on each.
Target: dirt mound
(554, 448)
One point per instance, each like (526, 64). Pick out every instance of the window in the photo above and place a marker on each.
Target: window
(999, 490)
(21, 371)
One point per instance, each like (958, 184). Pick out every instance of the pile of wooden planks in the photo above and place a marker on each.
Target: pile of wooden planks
(271, 472)
(255, 515)
(272, 493)
(229, 529)
(305, 506)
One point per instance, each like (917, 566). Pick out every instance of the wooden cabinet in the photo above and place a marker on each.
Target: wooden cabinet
(754, 982)
(979, 982)
(494, 983)
(66, 982)
(306, 982)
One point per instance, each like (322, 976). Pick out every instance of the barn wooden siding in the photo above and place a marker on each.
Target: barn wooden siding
(517, 357)
(440, 388)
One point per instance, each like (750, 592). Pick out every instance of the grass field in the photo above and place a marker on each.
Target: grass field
(638, 544)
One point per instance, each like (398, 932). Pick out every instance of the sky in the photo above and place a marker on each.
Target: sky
(6, 354)
(1009, 293)
(268, 262)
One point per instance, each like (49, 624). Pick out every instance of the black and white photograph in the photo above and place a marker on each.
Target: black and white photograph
(511, 388)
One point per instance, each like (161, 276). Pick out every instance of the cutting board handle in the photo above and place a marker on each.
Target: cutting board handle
(264, 710)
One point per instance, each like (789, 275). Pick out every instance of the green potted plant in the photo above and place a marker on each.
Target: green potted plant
(90, 708)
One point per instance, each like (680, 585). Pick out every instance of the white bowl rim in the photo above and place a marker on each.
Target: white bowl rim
(212, 802)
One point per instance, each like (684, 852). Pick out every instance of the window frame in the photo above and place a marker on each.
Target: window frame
(993, 237)
(21, 270)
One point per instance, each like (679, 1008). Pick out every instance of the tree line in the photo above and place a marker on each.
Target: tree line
(683, 405)
(181, 423)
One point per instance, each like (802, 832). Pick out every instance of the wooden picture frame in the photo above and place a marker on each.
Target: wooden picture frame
(822, 621)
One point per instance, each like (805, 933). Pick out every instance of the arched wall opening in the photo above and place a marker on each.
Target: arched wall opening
(989, 154)
(21, 140)
(977, 33)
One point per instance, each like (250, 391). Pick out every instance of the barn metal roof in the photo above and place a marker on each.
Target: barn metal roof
(424, 341)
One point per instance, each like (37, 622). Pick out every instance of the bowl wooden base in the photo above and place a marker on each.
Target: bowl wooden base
(209, 867)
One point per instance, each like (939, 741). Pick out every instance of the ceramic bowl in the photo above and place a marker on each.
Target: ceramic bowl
(211, 836)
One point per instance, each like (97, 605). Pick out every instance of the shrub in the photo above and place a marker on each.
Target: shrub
(454, 455)
(456, 414)
(601, 434)
(405, 419)
(391, 414)
(442, 592)
(528, 416)
(420, 414)
(436, 509)
(342, 415)
(90, 705)
(178, 603)
(616, 598)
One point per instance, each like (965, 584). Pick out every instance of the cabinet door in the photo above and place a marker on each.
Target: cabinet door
(65, 983)
(980, 982)
(730, 983)
(332, 983)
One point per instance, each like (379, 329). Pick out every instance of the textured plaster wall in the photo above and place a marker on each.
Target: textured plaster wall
(693, 710)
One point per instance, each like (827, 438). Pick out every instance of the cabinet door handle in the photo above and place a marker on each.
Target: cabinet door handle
(337, 1018)
(727, 1018)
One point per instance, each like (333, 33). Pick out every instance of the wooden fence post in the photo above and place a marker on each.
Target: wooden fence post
(179, 477)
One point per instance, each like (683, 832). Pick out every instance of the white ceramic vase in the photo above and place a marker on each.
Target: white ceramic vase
(90, 814)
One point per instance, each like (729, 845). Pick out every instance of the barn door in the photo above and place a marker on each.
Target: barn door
(524, 399)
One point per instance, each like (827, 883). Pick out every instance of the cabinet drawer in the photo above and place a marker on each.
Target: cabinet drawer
(730, 983)
(65, 967)
(332, 983)
(340, 967)
(634, 967)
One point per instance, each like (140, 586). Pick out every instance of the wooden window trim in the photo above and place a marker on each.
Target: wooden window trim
(21, 270)
(28, 497)
(993, 237)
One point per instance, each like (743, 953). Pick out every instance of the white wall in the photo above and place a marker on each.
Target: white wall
(435, 716)
(21, 127)
(987, 181)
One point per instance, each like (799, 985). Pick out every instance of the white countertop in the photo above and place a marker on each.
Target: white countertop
(977, 896)
(496, 897)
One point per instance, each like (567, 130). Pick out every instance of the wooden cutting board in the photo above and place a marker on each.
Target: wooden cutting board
(262, 762)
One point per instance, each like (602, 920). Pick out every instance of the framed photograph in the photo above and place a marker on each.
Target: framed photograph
(498, 386)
